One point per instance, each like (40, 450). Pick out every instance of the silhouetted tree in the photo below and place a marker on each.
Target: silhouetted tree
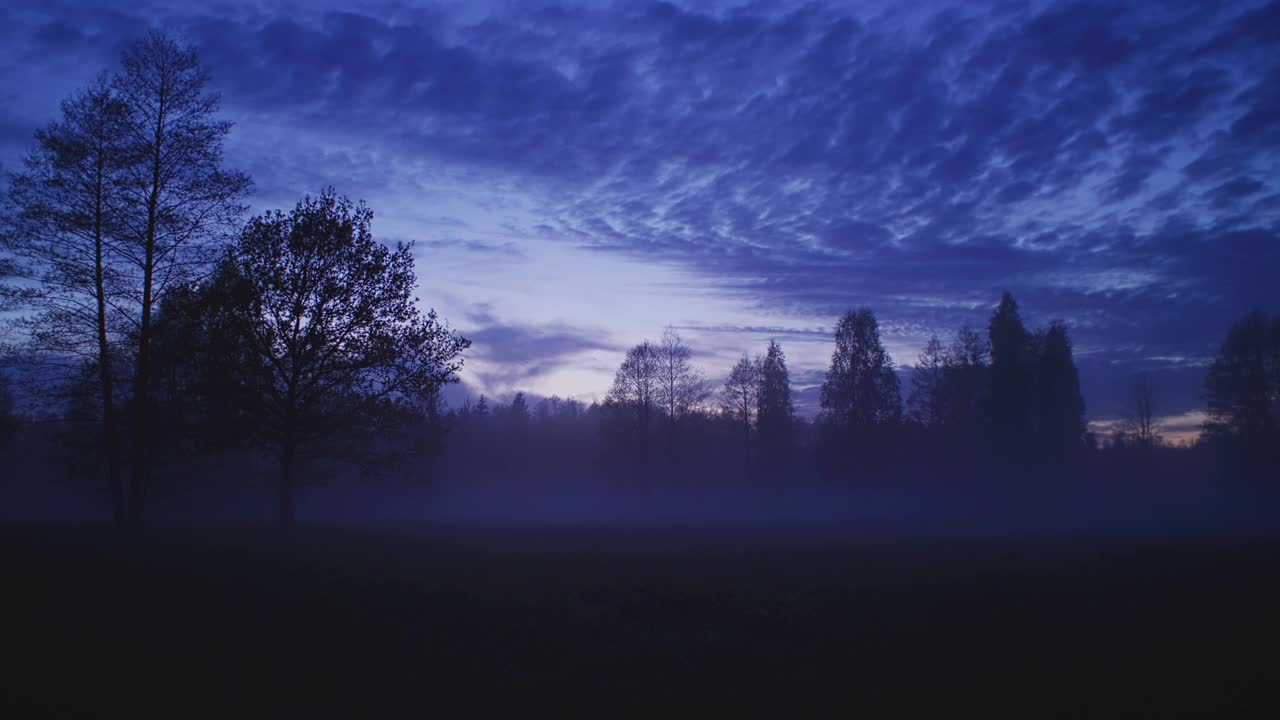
(63, 220)
(176, 200)
(1010, 368)
(927, 377)
(1140, 424)
(481, 411)
(775, 414)
(409, 441)
(966, 390)
(1059, 403)
(8, 421)
(682, 388)
(637, 386)
(518, 411)
(333, 317)
(861, 389)
(556, 408)
(1243, 386)
(739, 399)
(205, 376)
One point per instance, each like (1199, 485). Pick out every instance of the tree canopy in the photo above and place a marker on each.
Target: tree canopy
(333, 319)
(861, 389)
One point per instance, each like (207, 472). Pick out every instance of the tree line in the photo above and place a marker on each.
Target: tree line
(1000, 406)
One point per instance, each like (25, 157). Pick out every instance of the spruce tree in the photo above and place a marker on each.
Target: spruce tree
(1011, 371)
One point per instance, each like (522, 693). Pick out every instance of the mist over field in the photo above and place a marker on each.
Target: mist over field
(658, 358)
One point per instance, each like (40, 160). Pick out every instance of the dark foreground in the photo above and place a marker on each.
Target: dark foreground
(234, 623)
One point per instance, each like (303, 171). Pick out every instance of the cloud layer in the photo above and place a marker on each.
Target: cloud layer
(1113, 165)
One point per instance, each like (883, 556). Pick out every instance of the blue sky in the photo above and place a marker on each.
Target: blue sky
(578, 176)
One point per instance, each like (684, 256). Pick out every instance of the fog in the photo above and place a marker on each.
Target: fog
(807, 507)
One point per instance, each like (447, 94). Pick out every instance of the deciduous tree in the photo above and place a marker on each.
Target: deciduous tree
(177, 201)
(1141, 425)
(682, 387)
(63, 221)
(740, 398)
(861, 389)
(927, 377)
(1243, 384)
(637, 385)
(334, 320)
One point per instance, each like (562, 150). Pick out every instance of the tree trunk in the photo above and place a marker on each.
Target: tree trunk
(110, 432)
(141, 385)
(138, 476)
(142, 378)
(111, 440)
(142, 381)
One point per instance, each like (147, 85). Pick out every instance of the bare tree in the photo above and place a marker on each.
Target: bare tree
(739, 399)
(966, 385)
(682, 387)
(1140, 426)
(63, 214)
(178, 201)
(636, 384)
(925, 400)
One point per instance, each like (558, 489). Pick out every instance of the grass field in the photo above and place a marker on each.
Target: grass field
(250, 622)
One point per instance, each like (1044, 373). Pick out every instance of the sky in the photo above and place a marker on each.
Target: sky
(578, 176)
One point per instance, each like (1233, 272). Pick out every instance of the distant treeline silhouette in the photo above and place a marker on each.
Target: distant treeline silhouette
(181, 332)
(1003, 409)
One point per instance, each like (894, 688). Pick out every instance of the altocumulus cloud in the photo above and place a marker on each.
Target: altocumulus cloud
(1112, 164)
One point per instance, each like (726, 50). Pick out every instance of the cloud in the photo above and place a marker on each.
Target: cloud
(514, 355)
(1113, 166)
(526, 344)
(494, 251)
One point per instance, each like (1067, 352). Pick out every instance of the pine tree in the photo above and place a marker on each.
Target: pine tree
(1060, 405)
(1011, 369)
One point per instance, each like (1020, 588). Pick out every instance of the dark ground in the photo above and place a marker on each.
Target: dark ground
(366, 624)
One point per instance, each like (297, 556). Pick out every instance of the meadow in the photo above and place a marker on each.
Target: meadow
(218, 623)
